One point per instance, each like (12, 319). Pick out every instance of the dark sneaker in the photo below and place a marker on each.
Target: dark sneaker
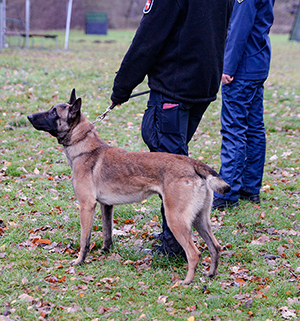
(255, 198)
(220, 203)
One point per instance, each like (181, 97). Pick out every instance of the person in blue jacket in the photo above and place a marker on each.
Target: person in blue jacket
(179, 45)
(246, 67)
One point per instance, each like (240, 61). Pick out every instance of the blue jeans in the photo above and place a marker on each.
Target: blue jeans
(244, 141)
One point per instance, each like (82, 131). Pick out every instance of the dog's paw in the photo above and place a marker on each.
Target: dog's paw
(76, 262)
(105, 250)
(211, 275)
(183, 283)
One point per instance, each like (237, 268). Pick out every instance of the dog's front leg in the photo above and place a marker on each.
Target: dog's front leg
(87, 210)
(107, 221)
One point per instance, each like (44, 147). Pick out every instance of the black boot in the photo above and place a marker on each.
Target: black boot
(255, 198)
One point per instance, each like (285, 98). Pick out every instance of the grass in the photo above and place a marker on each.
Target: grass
(259, 274)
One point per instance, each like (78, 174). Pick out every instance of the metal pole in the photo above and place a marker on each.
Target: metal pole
(68, 23)
(27, 19)
(4, 20)
(1, 25)
(295, 33)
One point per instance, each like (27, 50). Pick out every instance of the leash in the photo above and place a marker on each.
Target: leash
(112, 106)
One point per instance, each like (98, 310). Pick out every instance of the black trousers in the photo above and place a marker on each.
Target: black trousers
(168, 126)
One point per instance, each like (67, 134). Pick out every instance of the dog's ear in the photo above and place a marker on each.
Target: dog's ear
(72, 97)
(74, 110)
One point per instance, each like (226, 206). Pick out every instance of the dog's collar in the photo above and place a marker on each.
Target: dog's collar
(72, 143)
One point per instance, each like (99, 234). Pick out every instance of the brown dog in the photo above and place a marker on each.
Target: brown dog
(111, 176)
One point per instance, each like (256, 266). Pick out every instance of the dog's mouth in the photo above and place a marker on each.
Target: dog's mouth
(40, 122)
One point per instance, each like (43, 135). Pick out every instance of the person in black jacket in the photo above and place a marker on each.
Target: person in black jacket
(179, 45)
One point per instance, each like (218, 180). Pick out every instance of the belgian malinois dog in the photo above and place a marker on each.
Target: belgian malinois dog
(111, 176)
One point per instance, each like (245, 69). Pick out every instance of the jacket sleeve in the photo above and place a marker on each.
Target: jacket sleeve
(149, 39)
(241, 24)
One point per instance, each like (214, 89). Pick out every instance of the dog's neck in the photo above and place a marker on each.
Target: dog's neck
(78, 132)
(85, 135)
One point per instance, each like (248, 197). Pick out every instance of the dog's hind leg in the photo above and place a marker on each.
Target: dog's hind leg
(87, 210)
(179, 225)
(202, 224)
(107, 220)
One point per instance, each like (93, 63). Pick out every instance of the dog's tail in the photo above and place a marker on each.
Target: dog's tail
(214, 181)
(217, 184)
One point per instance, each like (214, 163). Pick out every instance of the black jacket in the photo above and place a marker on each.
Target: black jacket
(180, 46)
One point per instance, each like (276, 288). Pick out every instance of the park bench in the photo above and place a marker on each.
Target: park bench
(32, 36)
(38, 35)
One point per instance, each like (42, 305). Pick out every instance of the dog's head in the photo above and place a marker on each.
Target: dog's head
(60, 119)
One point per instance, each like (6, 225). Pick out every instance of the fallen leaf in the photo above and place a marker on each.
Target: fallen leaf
(261, 240)
(127, 262)
(293, 301)
(285, 174)
(177, 284)
(162, 299)
(102, 309)
(273, 158)
(51, 278)
(248, 303)
(73, 309)
(24, 281)
(92, 245)
(191, 308)
(266, 188)
(26, 297)
(262, 215)
(287, 313)
(241, 296)
(42, 241)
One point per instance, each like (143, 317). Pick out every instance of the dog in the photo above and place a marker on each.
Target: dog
(112, 176)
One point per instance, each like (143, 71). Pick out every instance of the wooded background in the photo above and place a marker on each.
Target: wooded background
(51, 14)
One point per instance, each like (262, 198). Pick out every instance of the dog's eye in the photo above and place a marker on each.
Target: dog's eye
(53, 112)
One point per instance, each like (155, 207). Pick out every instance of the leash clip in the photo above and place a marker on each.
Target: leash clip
(102, 116)
(110, 108)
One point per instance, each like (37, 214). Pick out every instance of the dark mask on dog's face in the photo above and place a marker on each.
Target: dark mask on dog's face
(46, 121)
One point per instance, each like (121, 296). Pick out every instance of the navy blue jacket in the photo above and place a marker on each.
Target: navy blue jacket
(248, 47)
(180, 46)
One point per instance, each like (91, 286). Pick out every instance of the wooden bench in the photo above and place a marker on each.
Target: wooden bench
(42, 36)
(21, 35)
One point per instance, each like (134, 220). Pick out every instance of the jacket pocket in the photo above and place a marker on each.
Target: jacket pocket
(260, 61)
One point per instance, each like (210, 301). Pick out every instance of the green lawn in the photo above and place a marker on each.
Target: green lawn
(259, 273)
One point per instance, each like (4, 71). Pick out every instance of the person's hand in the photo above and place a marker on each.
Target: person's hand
(226, 79)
